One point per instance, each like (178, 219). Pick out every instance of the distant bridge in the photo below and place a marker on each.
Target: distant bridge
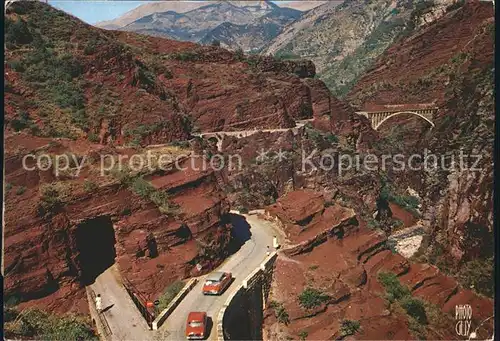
(219, 135)
(378, 117)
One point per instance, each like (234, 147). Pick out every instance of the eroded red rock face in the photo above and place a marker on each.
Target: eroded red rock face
(132, 84)
(303, 216)
(47, 260)
(447, 64)
(345, 267)
(144, 90)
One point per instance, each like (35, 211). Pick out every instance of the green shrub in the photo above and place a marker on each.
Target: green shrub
(280, 312)
(168, 74)
(50, 200)
(415, 308)
(22, 121)
(68, 95)
(332, 138)
(20, 190)
(349, 327)
(17, 65)
(90, 48)
(185, 56)
(142, 188)
(305, 109)
(80, 119)
(396, 223)
(160, 198)
(374, 224)
(90, 186)
(93, 137)
(459, 57)
(142, 131)
(394, 289)
(144, 78)
(9, 313)
(303, 334)
(124, 176)
(8, 187)
(145, 190)
(478, 275)
(311, 298)
(398, 293)
(407, 202)
(17, 32)
(319, 138)
(239, 54)
(126, 211)
(169, 294)
(56, 76)
(37, 324)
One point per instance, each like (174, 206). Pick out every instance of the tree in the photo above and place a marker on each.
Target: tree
(349, 327)
(311, 298)
(17, 32)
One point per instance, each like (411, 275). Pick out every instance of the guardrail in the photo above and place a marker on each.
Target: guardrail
(173, 304)
(139, 301)
(102, 322)
(253, 276)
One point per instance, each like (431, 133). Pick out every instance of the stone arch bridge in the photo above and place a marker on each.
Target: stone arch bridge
(378, 117)
(219, 135)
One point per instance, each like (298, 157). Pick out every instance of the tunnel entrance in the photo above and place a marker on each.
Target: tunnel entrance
(240, 232)
(95, 242)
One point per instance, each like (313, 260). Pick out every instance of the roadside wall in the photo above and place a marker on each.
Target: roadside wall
(173, 304)
(99, 319)
(241, 316)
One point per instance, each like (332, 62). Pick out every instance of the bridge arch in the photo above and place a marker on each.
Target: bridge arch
(423, 116)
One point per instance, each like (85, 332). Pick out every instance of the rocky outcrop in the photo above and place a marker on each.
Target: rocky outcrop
(301, 68)
(448, 63)
(306, 221)
(51, 255)
(345, 270)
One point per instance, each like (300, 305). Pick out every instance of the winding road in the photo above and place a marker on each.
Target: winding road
(240, 264)
(123, 317)
(127, 324)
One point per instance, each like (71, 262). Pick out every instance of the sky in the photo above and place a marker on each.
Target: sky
(94, 11)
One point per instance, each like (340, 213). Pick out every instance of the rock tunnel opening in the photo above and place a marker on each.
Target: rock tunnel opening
(95, 242)
(240, 232)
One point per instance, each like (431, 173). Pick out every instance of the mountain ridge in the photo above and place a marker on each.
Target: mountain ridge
(234, 24)
(185, 6)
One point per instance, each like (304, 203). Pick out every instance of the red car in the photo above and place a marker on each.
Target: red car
(216, 283)
(196, 326)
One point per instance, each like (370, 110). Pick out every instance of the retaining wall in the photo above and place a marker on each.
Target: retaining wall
(245, 305)
(99, 319)
(160, 319)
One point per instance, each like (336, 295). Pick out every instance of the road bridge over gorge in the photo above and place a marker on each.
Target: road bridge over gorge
(381, 114)
(219, 135)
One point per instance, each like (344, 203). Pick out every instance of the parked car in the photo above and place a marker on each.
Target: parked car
(216, 283)
(196, 326)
